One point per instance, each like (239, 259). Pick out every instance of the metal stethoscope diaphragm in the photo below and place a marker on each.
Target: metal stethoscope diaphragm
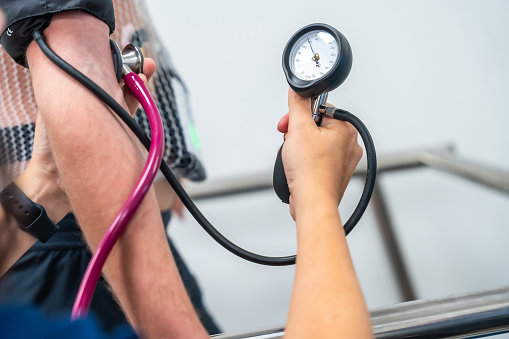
(131, 58)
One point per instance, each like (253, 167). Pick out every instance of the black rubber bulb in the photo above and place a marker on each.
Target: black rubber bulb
(279, 179)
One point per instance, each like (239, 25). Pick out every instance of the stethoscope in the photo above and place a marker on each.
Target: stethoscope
(316, 60)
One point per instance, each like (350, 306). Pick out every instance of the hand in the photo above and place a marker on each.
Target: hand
(318, 161)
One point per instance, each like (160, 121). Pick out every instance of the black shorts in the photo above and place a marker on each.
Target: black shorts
(24, 17)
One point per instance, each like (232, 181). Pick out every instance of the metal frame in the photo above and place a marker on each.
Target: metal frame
(441, 158)
(463, 316)
(469, 316)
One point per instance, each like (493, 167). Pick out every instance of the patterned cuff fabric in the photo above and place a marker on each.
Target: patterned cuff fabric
(24, 17)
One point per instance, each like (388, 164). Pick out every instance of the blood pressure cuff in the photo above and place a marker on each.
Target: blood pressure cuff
(24, 17)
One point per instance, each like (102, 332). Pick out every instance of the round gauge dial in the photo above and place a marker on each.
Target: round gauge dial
(316, 59)
(314, 55)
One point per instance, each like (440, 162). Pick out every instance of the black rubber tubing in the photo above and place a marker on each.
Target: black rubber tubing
(165, 169)
(182, 194)
(369, 184)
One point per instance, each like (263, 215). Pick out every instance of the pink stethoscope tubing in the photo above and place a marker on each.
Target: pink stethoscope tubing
(93, 272)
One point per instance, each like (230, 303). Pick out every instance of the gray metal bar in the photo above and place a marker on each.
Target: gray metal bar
(464, 316)
(261, 181)
(403, 160)
(485, 175)
(438, 158)
(233, 185)
(470, 315)
(396, 258)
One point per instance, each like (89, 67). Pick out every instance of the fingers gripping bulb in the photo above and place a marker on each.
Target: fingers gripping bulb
(129, 60)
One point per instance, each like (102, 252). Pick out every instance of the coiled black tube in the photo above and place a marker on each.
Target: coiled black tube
(175, 184)
(369, 184)
(182, 194)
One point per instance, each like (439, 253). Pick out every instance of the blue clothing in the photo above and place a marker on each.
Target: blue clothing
(20, 322)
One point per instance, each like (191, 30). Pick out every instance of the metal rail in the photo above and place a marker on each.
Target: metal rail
(263, 180)
(484, 175)
(391, 243)
(462, 316)
(439, 158)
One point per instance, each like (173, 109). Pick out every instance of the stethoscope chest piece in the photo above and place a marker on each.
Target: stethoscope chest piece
(131, 56)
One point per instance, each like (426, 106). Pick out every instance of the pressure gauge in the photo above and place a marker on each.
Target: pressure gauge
(316, 59)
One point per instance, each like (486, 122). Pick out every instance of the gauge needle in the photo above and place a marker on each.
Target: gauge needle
(316, 56)
(311, 46)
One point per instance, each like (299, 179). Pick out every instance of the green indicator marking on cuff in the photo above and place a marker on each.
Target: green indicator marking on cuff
(194, 135)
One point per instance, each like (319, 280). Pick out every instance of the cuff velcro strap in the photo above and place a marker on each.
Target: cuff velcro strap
(30, 216)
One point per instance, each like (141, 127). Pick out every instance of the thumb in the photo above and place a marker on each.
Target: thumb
(149, 68)
(299, 110)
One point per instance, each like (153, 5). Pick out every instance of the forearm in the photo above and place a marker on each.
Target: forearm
(99, 164)
(327, 301)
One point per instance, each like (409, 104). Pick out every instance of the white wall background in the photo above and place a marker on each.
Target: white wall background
(425, 73)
